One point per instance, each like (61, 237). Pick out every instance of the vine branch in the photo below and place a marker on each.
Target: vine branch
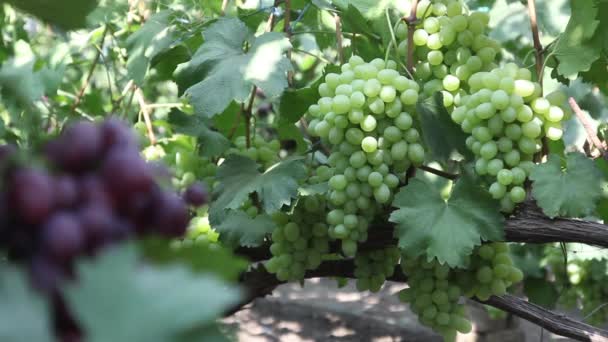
(439, 173)
(411, 27)
(591, 135)
(538, 47)
(258, 283)
(145, 111)
(87, 81)
(339, 38)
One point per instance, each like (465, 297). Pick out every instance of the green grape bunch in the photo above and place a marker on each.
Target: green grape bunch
(373, 267)
(435, 289)
(507, 118)
(300, 241)
(450, 46)
(365, 116)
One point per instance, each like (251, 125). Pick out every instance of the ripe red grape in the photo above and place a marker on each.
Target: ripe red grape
(32, 195)
(63, 236)
(196, 195)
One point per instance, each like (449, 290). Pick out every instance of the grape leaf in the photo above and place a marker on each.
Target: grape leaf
(239, 229)
(239, 176)
(576, 49)
(157, 35)
(573, 192)
(68, 14)
(212, 143)
(542, 292)
(440, 134)
(369, 8)
(200, 258)
(446, 230)
(116, 299)
(234, 71)
(24, 314)
(584, 252)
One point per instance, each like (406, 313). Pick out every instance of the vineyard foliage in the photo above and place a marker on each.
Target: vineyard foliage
(152, 148)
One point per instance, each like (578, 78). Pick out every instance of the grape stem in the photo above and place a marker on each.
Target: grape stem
(339, 38)
(439, 173)
(94, 64)
(247, 113)
(145, 112)
(411, 27)
(287, 30)
(538, 47)
(591, 135)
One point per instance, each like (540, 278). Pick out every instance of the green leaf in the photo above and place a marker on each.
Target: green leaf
(369, 8)
(584, 252)
(234, 71)
(200, 258)
(239, 176)
(146, 303)
(576, 49)
(446, 230)
(441, 135)
(570, 192)
(212, 143)
(24, 314)
(18, 82)
(542, 292)
(156, 36)
(68, 14)
(239, 229)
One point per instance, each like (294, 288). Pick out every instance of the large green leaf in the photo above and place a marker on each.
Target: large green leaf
(441, 135)
(24, 314)
(576, 49)
(239, 177)
(157, 35)
(570, 192)
(235, 71)
(68, 14)
(447, 230)
(118, 299)
(239, 229)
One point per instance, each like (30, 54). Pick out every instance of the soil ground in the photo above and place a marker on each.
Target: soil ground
(320, 311)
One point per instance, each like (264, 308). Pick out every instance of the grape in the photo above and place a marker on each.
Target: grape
(32, 195)
(196, 195)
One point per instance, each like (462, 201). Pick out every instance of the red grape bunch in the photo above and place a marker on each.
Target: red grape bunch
(87, 189)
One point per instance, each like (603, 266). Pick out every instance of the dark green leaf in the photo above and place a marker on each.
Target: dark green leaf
(542, 292)
(68, 14)
(570, 192)
(239, 229)
(239, 177)
(234, 71)
(447, 230)
(440, 134)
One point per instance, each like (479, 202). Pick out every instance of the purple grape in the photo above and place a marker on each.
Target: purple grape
(116, 134)
(126, 173)
(196, 195)
(32, 195)
(62, 236)
(93, 190)
(79, 146)
(170, 215)
(66, 191)
(96, 220)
